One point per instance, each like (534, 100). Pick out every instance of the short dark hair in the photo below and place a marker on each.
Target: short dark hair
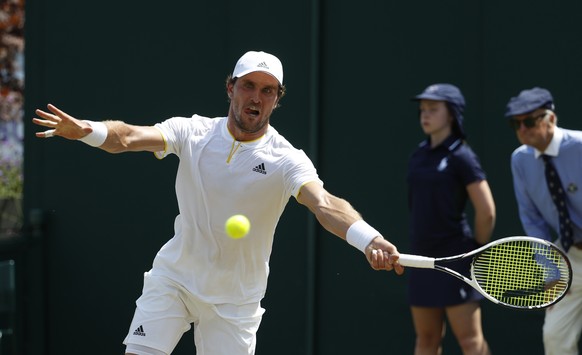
(456, 126)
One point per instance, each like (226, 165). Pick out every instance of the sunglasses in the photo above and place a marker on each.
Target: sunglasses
(528, 122)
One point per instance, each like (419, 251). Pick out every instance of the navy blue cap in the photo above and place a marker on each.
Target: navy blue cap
(443, 92)
(528, 101)
(448, 93)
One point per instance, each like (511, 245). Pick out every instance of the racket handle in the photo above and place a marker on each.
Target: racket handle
(416, 261)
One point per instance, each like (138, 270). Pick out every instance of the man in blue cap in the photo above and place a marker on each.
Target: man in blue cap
(550, 156)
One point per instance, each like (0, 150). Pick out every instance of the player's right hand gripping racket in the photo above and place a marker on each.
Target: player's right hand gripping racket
(517, 272)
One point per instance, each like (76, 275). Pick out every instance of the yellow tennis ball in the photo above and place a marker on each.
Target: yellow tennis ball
(237, 226)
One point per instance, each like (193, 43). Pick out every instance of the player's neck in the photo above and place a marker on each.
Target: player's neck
(241, 136)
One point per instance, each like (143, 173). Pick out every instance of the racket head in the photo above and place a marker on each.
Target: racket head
(522, 272)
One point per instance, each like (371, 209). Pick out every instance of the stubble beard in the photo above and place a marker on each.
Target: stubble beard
(248, 127)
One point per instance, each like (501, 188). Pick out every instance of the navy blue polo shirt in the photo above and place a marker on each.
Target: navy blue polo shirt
(437, 196)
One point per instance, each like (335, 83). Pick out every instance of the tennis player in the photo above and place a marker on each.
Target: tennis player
(237, 164)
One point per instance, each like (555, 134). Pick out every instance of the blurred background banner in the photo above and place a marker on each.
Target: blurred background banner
(11, 116)
(11, 166)
(92, 222)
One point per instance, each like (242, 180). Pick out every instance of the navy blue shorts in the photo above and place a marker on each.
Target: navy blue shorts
(433, 288)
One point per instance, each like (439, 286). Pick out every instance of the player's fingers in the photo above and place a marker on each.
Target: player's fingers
(387, 261)
(48, 134)
(380, 260)
(61, 114)
(399, 269)
(374, 259)
(46, 116)
(45, 123)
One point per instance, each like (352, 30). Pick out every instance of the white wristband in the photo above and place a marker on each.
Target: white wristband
(360, 235)
(98, 136)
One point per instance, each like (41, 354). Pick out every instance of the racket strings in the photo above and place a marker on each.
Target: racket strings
(522, 273)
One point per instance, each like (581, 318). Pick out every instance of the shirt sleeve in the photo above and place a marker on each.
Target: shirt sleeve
(176, 131)
(299, 171)
(468, 166)
(170, 130)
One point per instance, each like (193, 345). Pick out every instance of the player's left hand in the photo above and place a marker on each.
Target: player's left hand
(60, 124)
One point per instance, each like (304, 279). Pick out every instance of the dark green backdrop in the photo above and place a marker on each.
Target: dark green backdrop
(350, 69)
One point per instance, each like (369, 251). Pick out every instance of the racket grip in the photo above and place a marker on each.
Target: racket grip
(416, 261)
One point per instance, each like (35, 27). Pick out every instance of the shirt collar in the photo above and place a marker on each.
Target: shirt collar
(229, 137)
(554, 147)
(450, 143)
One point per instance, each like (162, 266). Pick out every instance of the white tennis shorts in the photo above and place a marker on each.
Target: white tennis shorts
(165, 311)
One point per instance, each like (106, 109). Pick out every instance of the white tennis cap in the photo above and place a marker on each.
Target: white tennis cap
(259, 61)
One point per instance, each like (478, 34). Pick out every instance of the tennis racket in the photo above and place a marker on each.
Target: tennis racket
(517, 272)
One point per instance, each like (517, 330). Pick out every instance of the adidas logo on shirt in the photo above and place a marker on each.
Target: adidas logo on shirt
(139, 331)
(262, 65)
(260, 169)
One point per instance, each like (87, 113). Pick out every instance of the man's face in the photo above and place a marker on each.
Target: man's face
(534, 128)
(253, 97)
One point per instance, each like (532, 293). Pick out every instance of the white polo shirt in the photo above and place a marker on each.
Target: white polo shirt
(257, 182)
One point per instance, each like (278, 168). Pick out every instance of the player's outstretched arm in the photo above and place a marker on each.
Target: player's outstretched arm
(337, 216)
(111, 136)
